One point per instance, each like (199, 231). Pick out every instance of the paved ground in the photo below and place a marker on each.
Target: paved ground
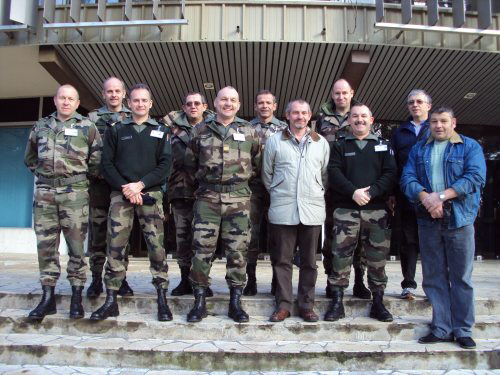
(20, 274)
(74, 370)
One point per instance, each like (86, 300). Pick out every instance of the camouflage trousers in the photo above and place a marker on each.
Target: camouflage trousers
(99, 206)
(120, 221)
(369, 227)
(259, 206)
(358, 259)
(231, 221)
(53, 213)
(183, 217)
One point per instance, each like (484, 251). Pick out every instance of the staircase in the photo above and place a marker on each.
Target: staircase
(137, 340)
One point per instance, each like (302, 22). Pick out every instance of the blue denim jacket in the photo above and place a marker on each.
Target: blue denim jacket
(464, 171)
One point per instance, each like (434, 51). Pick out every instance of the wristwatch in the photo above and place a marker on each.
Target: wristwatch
(442, 196)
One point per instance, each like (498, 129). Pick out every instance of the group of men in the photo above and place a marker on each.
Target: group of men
(226, 175)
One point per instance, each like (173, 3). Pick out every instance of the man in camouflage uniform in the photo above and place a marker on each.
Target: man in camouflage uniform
(224, 154)
(265, 125)
(181, 190)
(113, 93)
(63, 150)
(136, 162)
(362, 172)
(331, 123)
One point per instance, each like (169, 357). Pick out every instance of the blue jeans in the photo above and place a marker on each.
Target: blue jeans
(447, 261)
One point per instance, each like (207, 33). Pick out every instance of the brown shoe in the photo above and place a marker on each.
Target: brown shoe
(308, 315)
(279, 315)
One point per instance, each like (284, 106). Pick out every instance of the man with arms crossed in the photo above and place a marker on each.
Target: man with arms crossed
(136, 162)
(444, 177)
(294, 171)
(113, 93)
(63, 151)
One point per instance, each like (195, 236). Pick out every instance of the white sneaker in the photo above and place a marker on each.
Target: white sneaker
(408, 293)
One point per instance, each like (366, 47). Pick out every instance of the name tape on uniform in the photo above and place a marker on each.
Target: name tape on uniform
(71, 132)
(157, 133)
(379, 148)
(239, 137)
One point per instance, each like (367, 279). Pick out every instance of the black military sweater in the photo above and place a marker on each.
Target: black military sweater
(132, 156)
(351, 168)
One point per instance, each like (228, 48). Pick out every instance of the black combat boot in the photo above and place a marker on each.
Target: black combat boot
(110, 307)
(251, 287)
(199, 310)
(360, 290)
(47, 305)
(336, 308)
(125, 289)
(75, 307)
(235, 311)
(95, 288)
(184, 286)
(164, 313)
(378, 310)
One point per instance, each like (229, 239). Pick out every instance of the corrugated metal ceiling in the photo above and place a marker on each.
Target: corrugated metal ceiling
(293, 70)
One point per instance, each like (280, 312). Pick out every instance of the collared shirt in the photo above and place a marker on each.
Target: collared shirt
(416, 127)
(302, 142)
(362, 142)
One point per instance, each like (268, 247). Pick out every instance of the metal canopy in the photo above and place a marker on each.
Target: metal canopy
(296, 70)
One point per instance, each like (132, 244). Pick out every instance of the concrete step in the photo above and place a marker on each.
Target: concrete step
(143, 326)
(260, 305)
(73, 370)
(214, 355)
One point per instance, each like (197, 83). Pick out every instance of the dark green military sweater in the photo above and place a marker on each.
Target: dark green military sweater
(131, 156)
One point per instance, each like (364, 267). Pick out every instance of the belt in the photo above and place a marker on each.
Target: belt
(58, 182)
(224, 188)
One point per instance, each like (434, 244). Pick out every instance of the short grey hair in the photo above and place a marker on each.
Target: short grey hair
(416, 92)
(299, 101)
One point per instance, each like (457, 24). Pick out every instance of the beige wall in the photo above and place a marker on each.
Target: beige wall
(21, 75)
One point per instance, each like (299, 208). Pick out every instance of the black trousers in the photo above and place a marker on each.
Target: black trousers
(284, 239)
(409, 248)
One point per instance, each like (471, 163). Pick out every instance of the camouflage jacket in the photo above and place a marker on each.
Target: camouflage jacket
(63, 154)
(103, 117)
(264, 132)
(329, 123)
(332, 126)
(179, 184)
(222, 164)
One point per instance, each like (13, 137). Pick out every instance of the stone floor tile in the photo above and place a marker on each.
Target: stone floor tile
(207, 347)
(173, 345)
(111, 343)
(232, 347)
(149, 344)
(460, 372)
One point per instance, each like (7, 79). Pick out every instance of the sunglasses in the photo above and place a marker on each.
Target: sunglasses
(196, 104)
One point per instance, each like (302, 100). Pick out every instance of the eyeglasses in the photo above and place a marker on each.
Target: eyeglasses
(417, 101)
(196, 104)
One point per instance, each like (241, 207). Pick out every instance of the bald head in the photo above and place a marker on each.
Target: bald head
(66, 102)
(113, 93)
(342, 94)
(68, 87)
(227, 104)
